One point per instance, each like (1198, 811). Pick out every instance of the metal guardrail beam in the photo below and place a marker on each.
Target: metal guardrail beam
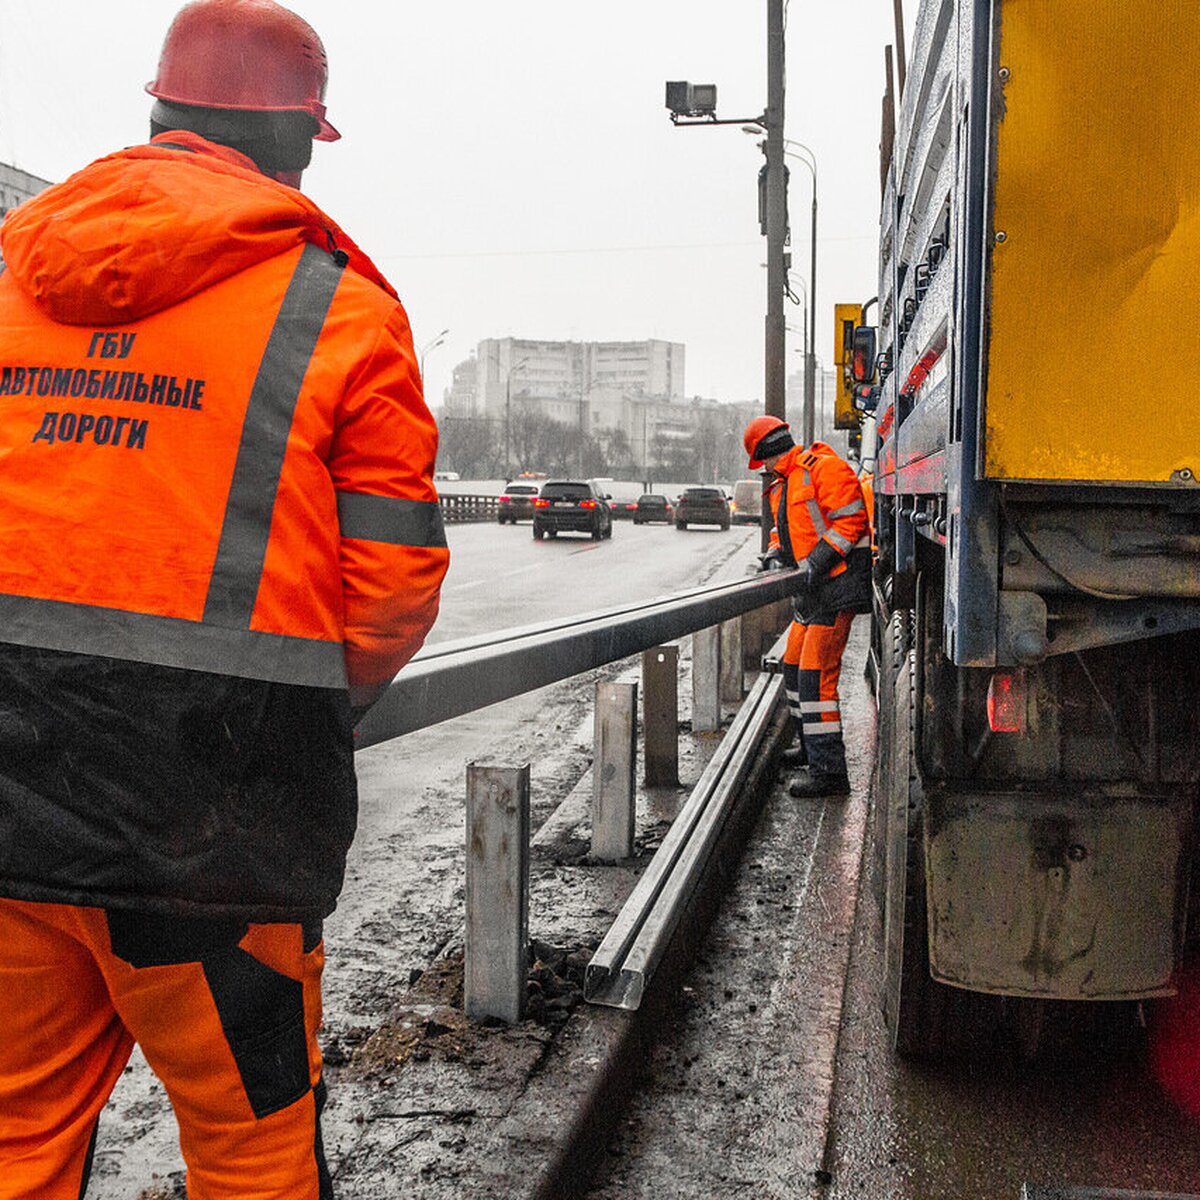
(635, 944)
(454, 678)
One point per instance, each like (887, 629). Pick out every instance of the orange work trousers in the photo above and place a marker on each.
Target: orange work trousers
(812, 666)
(226, 1014)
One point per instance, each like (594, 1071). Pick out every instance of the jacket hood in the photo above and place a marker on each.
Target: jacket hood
(140, 230)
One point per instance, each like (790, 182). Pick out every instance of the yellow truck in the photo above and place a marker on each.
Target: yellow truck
(1037, 484)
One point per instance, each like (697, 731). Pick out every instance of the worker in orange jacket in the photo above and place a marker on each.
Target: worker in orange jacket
(219, 541)
(821, 526)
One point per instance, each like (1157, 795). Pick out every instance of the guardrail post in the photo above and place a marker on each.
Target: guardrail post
(660, 715)
(760, 628)
(706, 679)
(733, 675)
(613, 770)
(753, 637)
(497, 943)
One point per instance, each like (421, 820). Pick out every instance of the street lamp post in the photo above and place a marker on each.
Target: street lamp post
(775, 385)
(699, 102)
(810, 358)
(582, 428)
(432, 344)
(508, 415)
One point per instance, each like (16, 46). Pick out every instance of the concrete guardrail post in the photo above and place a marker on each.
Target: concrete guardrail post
(660, 715)
(706, 680)
(497, 943)
(614, 767)
(733, 676)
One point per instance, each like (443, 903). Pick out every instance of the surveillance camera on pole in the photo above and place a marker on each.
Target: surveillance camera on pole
(686, 99)
(696, 104)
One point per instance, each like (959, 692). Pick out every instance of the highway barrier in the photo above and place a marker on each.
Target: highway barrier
(454, 678)
(457, 510)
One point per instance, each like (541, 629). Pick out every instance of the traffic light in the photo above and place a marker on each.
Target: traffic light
(846, 319)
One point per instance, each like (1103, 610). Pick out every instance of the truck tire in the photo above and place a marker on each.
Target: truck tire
(537, 533)
(893, 644)
(926, 1019)
(912, 1002)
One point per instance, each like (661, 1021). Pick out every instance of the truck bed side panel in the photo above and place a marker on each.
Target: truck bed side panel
(1096, 244)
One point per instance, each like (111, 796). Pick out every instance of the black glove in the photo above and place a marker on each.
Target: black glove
(822, 558)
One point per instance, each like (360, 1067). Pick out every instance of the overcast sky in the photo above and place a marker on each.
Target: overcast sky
(511, 166)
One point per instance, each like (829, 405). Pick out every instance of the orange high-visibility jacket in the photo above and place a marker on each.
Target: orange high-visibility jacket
(216, 454)
(824, 505)
(216, 512)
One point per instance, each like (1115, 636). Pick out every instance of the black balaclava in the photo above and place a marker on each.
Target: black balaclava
(279, 143)
(778, 441)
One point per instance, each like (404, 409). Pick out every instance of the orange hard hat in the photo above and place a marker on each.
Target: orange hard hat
(758, 429)
(253, 55)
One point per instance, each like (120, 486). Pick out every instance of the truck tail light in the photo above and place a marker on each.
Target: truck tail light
(1006, 702)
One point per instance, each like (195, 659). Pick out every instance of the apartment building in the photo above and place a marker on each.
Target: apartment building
(17, 185)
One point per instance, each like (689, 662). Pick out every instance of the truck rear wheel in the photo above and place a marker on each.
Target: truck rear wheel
(912, 1001)
(893, 645)
(926, 1019)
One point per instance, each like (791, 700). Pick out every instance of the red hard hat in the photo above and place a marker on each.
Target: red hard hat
(253, 55)
(755, 432)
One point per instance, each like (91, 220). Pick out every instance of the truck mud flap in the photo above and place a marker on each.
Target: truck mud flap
(1060, 896)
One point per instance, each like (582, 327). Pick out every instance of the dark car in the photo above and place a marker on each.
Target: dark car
(575, 505)
(516, 503)
(653, 507)
(622, 510)
(702, 506)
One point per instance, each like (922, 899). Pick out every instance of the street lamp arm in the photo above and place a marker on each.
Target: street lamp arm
(810, 161)
(434, 341)
(432, 344)
(812, 170)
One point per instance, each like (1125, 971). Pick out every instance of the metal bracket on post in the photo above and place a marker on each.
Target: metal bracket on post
(497, 944)
(706, 680)
(733, 676)
(660, 715)
(613, 771)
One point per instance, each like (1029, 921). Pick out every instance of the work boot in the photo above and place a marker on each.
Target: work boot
(812, 785)
(794, 756)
